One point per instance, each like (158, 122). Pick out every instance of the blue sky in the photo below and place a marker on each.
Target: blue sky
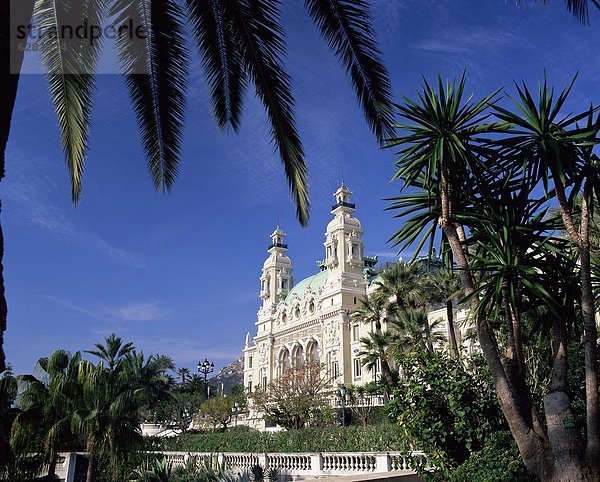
(178, 273)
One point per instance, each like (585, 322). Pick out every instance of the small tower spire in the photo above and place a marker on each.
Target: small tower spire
(343, 238)
(278, 239)
(276, 279)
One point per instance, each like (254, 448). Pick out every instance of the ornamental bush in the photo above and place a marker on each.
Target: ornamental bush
(498, 460)
(378, 438)
(445, 407)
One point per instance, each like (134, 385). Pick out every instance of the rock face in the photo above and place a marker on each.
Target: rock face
(230, 376)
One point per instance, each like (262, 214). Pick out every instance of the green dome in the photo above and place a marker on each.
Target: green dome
(314, 282)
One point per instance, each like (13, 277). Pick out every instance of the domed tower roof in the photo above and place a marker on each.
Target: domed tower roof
(343, 238)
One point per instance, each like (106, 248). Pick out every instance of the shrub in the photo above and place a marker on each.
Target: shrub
(445, 409)
(499, 459)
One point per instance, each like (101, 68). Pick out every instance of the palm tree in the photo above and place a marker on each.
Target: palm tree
(195, 384)
(374, 348)
(163, 363)
(109, 415)
(241, 42)
(372, 310)
(412, 328)
(46, 405)
(112, 351)
(8, 412)
(404, 283)
(184, 373)
(443, 286)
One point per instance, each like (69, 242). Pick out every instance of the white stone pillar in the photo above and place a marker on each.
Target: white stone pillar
(382, 463)
(316, 464)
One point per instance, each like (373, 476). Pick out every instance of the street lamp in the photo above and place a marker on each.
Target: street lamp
(236, 411)
(344, 397)
(205, 368)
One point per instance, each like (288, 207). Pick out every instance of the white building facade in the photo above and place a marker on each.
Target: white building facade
(311, 319)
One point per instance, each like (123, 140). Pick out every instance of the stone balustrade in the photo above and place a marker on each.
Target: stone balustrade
(288, 464)
(298, 464)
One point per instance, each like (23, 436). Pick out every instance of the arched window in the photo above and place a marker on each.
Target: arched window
(298, 355)
(312, 352)
(284, 360)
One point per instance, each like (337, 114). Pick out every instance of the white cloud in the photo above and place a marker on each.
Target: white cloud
(465, 41)
(138, 312)
(26, 193)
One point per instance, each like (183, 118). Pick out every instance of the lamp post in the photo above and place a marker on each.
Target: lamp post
(205, 368)
(236, 411)
(343, 396)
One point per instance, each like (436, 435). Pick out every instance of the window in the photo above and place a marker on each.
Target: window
(297, 312)
(249, 388)
(357, 368)
(311, 307)
(355, 332)
(331, 301)
(355, 300)
(284, 284)
(376, 369)
(250, 361)
(335, 369)
(264, 382)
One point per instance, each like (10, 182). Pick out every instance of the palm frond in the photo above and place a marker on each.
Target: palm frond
(578, 8)
(223, 63)
(346, 25)
(70, 65)
(260, 40)
(155, 74)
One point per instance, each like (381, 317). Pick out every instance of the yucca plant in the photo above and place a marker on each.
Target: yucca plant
(479, 178)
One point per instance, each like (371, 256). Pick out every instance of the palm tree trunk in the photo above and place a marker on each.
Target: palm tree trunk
(557, 409)
(12, 12)
(52, 468)
(91, 467)
(590, 339)
(531, 445)
(581, 240)
(387, 372)
(428, 341)
(451, 331)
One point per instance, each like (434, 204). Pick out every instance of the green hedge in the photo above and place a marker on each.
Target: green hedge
(378, 438)
(498, 460)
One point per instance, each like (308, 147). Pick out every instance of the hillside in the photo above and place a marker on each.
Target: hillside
(231, 376)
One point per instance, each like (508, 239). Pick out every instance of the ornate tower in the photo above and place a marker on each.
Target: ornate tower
(343, 238)
(276, 277)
